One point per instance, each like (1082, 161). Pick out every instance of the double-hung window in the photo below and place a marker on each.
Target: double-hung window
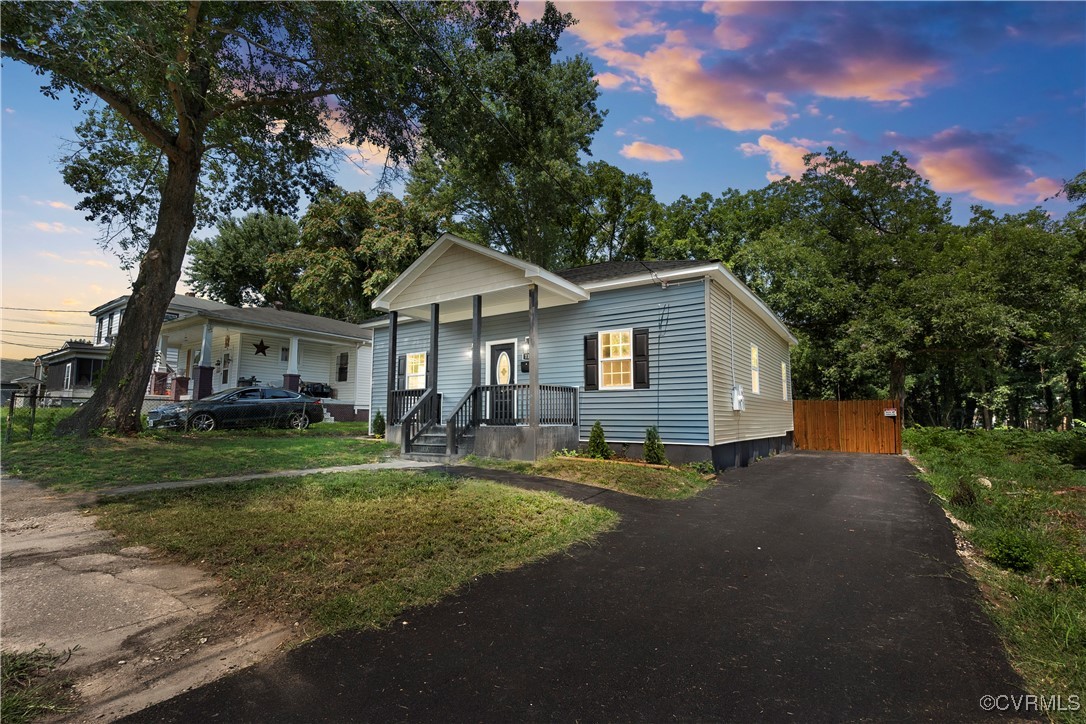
(416, 371)
(341, 367)
(617, 359)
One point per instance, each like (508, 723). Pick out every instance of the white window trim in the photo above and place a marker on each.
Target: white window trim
(68, 369)
(755, 370)
(407, 371)
(600, 360)
(486, 360)
(784, 381)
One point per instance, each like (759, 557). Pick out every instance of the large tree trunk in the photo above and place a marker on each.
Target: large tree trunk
(897, 380)
(116, 403)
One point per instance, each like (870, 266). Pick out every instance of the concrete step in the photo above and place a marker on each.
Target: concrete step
(431, 457)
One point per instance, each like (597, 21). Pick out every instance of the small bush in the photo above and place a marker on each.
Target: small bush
(654, 449)
(379, 424)
(701, 467)
(597, 443)
(1067, 567)
(1014, 549)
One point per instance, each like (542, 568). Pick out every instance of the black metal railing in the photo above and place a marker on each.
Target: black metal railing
(400, 402)
(464, 417)
(420, 418)
(509, 404)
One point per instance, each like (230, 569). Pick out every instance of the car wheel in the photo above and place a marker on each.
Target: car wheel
(202, 422)
(298, 420)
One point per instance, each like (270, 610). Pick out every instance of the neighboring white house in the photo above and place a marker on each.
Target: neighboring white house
(206, 346)
(230, 346)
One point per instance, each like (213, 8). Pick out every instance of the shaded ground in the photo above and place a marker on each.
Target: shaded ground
(811, 586)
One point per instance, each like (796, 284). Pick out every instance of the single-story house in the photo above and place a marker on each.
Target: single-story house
(16, 376)
(482, 351)
(231, 346)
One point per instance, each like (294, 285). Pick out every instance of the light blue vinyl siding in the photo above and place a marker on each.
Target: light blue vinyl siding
(676, 401)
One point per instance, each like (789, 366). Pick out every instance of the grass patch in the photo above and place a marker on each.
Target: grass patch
(642, 480)
(353, 550)
(28, 690)
(1024, 503)
(102, 462)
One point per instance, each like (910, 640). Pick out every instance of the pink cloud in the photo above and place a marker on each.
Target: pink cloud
(785, 159)
(55, 227)
(986, 166)
(650, 152)
(610, 81)
(685, 88)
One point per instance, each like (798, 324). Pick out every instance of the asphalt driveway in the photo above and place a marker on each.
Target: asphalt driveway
(811, 586)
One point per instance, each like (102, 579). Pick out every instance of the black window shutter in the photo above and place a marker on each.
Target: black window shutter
(591, 362)
(640, 359)
(401, 372)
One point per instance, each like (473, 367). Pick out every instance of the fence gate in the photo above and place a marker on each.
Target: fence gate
(866, 426)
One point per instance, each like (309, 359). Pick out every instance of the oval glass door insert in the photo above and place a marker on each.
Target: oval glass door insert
(505, 368)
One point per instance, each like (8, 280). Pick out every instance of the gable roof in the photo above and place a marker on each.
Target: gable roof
(12, 369)
(181, 303)
(607, 270)
(454, 270)
(278, 319)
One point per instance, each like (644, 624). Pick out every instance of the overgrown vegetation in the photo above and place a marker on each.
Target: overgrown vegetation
(353, 550)
(1022, 498)
(70, 463)
(625, 477)
(28, 688)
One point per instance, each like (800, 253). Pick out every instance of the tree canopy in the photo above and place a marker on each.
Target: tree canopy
(207, 108)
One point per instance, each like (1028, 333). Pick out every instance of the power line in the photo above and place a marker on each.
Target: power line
(49, 322)
(460, 78)
(36, 309)
(19, 344)
(38, 334)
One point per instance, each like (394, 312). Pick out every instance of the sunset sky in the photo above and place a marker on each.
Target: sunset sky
(985, 99)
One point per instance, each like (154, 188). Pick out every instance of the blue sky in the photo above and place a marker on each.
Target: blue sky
(985, 99)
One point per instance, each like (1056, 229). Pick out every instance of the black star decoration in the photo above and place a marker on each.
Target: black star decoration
(261, 348)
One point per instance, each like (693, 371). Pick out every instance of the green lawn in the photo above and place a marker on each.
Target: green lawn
(643, 480)
(1023, 505)
(104, 462)
(353, 550)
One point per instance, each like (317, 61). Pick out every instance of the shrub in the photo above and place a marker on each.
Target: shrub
(1015, 550)
(597, 443)
(378, 424)
(654, 449)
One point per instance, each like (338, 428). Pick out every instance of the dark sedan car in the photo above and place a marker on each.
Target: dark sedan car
(240, 407)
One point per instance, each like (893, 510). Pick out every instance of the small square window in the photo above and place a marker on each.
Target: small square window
(284, 354)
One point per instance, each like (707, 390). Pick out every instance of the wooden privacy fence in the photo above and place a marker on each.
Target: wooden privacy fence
(866, 426)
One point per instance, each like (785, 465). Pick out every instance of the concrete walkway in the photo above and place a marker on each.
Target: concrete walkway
(808, 587)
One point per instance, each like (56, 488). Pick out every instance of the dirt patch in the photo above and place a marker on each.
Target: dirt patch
(146, 629)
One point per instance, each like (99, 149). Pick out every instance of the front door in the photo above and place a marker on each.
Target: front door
(503, 409)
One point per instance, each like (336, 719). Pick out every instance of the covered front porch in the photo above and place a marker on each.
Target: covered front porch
(499, 403)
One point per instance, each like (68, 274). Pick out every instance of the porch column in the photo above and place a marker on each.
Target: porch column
(431, 358)
(162, 367)
(533, 368)
(390, 387)
(476, 354)
(203, 377)
(292, 378)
